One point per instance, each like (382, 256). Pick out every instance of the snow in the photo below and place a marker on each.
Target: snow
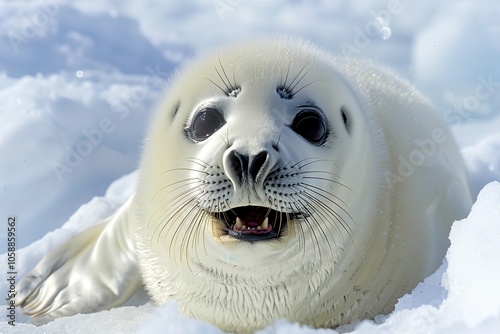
(461, 296)
(79, 80)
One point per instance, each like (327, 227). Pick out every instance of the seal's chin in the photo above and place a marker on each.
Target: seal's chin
(254, 223)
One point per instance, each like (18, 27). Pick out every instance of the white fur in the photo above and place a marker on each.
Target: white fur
(389, 230)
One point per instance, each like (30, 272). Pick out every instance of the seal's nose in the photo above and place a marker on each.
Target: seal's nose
(242, 168)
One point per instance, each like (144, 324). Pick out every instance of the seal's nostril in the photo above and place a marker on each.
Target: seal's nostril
(239, 163)
(257, 163)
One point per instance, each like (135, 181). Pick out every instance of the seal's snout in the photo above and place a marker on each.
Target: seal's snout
(248, 168)
(245, 167)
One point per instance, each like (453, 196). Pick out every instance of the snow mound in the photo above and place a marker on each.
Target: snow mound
(65, 139)
(468, 288)
(483, 162)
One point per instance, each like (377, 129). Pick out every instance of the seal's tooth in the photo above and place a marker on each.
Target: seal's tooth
(239, 224)
(265, 223)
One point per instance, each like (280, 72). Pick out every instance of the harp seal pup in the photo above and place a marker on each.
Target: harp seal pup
(277, 181)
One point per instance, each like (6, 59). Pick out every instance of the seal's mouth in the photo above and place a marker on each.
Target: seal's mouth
(254, 223)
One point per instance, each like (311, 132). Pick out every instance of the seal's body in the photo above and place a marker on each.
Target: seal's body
(277, 181)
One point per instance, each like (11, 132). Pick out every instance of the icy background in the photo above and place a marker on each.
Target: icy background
(79, 80)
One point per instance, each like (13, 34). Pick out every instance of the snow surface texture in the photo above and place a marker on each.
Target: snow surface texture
(79, 80)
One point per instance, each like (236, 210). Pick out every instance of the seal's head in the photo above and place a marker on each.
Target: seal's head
(248, 185)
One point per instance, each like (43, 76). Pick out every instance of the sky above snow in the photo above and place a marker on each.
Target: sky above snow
(79, 72)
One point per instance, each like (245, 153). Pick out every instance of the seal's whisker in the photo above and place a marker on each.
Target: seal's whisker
(223, 203)
(184, 170)
(325, 179)
(234, 79)
(166, 221)
(208, 219)
(323, 207)
(181, 184)
(302, 238)
(304, 208)
(228, 88)
(295, 81)
(167, 206)
(189, 238)
(197, 161)
(280, 223)
(179, 226)
(299, 79)
(225, 138)
(325, 195)
(305, 86)
(312, 211)
(284, 83)
(182, 201)
(185, 226)
(222, 89)
(231, 86)
(327, 215)
(311, 161)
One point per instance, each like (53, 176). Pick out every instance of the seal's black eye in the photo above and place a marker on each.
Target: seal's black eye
(311, 125)
(205, 123)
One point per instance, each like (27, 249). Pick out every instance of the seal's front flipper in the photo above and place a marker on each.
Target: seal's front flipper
(94, 271)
